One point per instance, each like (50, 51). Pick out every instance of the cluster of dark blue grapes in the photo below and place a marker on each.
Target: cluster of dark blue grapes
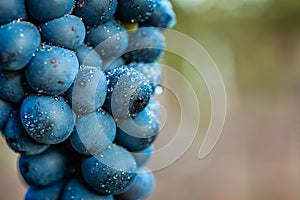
(76, 94)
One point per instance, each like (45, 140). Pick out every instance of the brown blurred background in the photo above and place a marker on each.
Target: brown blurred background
(256, 45)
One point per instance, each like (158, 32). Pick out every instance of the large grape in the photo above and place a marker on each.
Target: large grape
(145, 45)
(142, 187)
(110, 172)
(94, 133)
(12, 10)
(13, 87)
(18, 139)
(48, 120)
(45, 10)
(18, 43)
(52, 70)
(67, 32)
(44, 169)
(77, 189)
(88, 91)
(138, 133)
(88, 56)
(109, 40)
(52, 192)
(95, 12)
(136, 10)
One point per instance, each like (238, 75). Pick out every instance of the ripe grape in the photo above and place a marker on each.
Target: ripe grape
(46, 119)
(77, 189)
(45, 10)
(88, 91)
(67, 32)
(18, 44)
(12, 10)
(110, 172)
(94, 133)
(13, 87)
(44, 169)
(18, 139)
(95, 12)
(52, 70)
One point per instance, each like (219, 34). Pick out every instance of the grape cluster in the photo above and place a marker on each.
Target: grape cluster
(77, 94)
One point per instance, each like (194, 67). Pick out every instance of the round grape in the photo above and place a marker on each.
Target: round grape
(142, 187)
(52, 192)
(77, 189)
(45, 10)
(111, 172)
(52, 70)
(44, 169)
(18, 43)
(13, 87)
(48, 120)
(94, 133)
(145, 45)
(138, 133)
(109, 40)
(88, 92)
(135, 10)
(163, 16)
(67, 32)
(130, 95)
(12, 10)
(88, 56)
(18, 139)
(95, 12)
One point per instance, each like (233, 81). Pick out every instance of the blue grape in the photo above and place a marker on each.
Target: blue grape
(18, 43)
(52, 192)
(18, 139)
(94, 133)
(142, 157)
(44, 169)
(131, 94)
(88, 56)
(67, 32)
(13, 87)
(45, 10)
(152, 71)
(142, 187)
(138, 133)
(48, 120)
(88, 92)
(95, 12)
(163, 16)
(77, 189)
(113, 75)
(135, 10)
(110, 65)
(110, 172)
(52, 70)
(12, 10)
(145, 45)
(109, 40)
(5, 111)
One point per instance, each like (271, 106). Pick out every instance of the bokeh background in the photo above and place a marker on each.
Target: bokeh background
(256, 45)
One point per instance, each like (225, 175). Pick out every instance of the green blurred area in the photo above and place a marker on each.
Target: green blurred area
(259, 40)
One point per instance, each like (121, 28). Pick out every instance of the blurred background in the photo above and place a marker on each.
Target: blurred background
(256, 45)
